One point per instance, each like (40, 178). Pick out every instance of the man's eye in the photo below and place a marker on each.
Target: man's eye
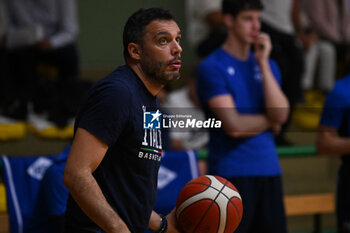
(178, 40)
(162, 41)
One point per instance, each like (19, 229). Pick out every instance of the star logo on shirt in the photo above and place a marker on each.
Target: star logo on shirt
(156, 115)
(257, 75)
(151, 120)
(231, 71)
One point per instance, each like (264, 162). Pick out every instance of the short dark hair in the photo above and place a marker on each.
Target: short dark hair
(134, 29)
(234, 7)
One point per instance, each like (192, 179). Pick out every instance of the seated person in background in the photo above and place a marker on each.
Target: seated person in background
(320, 54)
(333, 139)
(48, 215)
(319, 74)
(205, 28)
(277, 22)
(330, 19)
(43, 61)
(185, 101)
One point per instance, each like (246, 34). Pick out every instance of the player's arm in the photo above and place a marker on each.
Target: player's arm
(276, 103)
(234, 123)
(85, 155)
(155, 222)
(328, 142)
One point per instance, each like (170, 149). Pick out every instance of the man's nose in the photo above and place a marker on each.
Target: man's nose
(176, 49)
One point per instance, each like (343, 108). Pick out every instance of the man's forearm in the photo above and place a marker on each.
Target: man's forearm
(276, 103)
(332, 144)
(246, 125)
(341, 146)
(86, 192)
(234, 123)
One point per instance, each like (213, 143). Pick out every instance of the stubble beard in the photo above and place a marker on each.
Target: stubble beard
(156, 70)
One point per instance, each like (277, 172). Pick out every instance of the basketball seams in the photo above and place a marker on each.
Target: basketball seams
(234, 205)
(189, 196)
(189, 201)
(217, 192)
(193, 199)
(222, 206)
(236, 194)
(195, 183)
(205, 213)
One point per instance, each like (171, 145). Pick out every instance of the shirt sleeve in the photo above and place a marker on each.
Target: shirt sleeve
(107, 112)
(68, 24)
(211, 82)
(334, 109)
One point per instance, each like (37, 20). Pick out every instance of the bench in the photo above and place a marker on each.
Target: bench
(310, 204)
(4, 223)
(295, 205)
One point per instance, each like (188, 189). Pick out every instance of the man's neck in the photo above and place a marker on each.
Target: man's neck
(151, 85)
(236, 48)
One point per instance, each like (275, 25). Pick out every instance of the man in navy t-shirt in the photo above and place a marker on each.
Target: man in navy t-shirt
(112, 168)
(242, 89)
(333, 138)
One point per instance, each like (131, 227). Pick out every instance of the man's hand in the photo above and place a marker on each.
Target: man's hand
(276, 128)
(262, 47)
(44, 45)
(307, 39)
(172, 222)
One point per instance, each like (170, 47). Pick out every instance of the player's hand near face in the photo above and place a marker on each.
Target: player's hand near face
(262, 47)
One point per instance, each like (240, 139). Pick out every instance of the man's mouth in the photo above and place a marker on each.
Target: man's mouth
(176, 64)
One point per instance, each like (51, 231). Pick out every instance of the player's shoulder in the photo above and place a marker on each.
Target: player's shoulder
(214, 60)
(342, 85)
(120, 80)
(115, 88)
(343, 82)
(340, 90)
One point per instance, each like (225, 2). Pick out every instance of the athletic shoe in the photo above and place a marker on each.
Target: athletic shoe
(40, 126)
(11, 129)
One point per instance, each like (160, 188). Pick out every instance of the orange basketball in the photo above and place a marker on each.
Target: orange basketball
(209, 204)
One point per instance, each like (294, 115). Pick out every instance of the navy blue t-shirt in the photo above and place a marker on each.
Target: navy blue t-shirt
(113, 111)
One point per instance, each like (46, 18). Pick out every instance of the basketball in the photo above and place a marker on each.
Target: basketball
(209, 204)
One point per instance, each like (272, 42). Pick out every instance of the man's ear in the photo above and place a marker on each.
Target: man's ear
(228, 20)
(134, 51)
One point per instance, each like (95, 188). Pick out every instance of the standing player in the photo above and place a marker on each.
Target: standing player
(242, 89)
(112, 168)
(333, 138)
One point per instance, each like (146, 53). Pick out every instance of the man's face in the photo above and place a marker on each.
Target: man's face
(160, 58)
(247, 25)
